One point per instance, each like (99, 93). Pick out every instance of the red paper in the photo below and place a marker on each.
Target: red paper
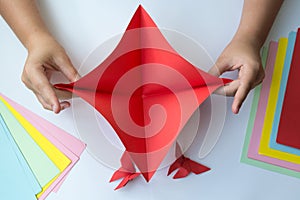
(127, 171)
(146, 91)
(289, 125)
(185, 165)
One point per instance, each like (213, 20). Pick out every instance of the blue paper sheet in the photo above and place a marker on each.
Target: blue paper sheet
(40, 164)
(36, 188)
(287, 63)
(14, 182)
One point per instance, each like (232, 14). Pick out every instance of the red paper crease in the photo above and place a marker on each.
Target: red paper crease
(147, 92)
(185, 166)
(126, 171)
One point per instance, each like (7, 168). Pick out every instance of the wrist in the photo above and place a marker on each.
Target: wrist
(249, 37)
(37, 39)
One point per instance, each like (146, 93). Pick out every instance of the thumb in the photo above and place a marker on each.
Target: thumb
(219, 67)
(68, 70)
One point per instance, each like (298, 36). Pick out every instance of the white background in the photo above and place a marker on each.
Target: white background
(80, 26)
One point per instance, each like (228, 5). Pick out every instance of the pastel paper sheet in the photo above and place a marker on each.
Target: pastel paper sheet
(134, 89)
(250, 150)
(57, 157)
(284, 79)
(289, 129)
(14, 181)
(264, 148)
(36, 188)
(69, 145)
(40, 164)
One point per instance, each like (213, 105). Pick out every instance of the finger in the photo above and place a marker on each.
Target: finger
(240, 96)
(28, 84)
(248, 76)
(43, 102)
(41, 86)
(246, 84)
(64, 105)
(63, 95)
(67, 68)
(218, 68)
(229, 89)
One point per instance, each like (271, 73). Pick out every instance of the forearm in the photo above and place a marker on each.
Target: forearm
(257, 19)
(24, 19)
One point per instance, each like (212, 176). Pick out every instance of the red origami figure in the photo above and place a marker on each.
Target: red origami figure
(147, 92)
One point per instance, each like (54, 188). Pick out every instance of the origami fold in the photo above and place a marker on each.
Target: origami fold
(185, 165)
(146, 91)
(127, 171)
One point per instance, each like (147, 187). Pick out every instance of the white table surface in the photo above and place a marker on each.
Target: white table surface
(80, 26)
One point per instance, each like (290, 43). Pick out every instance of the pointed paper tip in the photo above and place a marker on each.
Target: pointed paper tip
(141, 19)
(148, 175)
(140, 10)
(62, 86)
(181, 173)
(126, 180)
(120, 173)
(121, 185)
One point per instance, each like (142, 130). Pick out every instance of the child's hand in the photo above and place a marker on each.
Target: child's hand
(45, 55)
(242, 53)
(243, 56)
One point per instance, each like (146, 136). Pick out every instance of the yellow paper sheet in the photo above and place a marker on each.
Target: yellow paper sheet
(264, 148)
(57, 157)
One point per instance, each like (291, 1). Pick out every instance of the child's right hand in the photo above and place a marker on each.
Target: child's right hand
(243, 56)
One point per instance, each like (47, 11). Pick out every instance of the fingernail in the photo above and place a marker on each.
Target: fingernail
(55, 109)
(235, 110)
(64, 105)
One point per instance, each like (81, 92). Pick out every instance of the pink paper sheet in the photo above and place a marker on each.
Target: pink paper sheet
(66, 143)
(260, 114)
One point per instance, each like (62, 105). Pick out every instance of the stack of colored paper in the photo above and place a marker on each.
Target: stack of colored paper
(36, 156)
(273, 134)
